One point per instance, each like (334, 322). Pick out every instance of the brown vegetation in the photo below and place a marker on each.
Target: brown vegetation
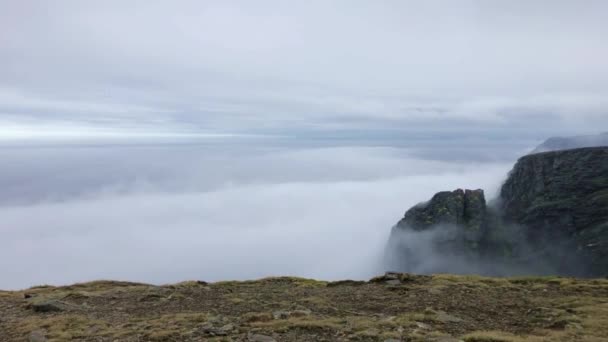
(392, 307)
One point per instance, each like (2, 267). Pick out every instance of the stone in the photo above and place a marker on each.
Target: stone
(372, 332)
(37, 336)
(260, 338)
(444, 317)
(423, 326)
(228, 328)
(391, 276)
(435, 291)
(301, 313)
(281, 315)
(209, 329)
(49, 306)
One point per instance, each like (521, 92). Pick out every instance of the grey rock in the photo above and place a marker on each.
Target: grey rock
(37, 336)
(210, 330)
(288, 314)
(228, 328)
(447, 318)
(301, 313)
(423, 326)
(391, 275)
(260, 338)
(49, 306)
(372, 332)
(281, 314)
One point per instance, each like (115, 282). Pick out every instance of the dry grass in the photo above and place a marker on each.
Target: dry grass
(421, 308)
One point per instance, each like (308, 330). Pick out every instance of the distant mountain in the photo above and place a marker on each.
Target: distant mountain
(567, 143)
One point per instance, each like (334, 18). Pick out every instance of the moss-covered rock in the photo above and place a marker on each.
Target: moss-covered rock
(465, 208)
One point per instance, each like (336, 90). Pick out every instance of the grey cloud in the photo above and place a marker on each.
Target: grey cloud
(236, 66)
(168, 213)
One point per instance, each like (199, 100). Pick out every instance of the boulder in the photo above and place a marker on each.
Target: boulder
(37, 336)
(260, 338)
(49, 306)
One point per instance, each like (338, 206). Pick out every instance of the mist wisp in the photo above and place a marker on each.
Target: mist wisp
(505, 249)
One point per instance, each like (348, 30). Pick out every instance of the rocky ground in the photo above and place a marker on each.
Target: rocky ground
(395, 307)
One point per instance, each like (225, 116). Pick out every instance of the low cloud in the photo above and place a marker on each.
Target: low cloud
(429, 252)
(313, 212)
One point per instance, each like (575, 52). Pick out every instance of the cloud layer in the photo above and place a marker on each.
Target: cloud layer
(312, 212)
(269, 67)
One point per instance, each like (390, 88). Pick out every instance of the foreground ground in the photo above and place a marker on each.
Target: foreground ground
(389, 308)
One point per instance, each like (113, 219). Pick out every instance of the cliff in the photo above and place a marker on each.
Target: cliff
(561, 198)
(551, 217)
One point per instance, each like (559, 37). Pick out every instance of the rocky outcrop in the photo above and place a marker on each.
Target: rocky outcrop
(441, 235)
(551, 217)
(561, 198)
(459, 209)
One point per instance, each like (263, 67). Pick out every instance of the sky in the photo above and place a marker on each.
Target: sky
(173, 140)
(520, 69)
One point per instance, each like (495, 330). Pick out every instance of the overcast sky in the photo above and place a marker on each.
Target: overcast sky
(522, 68)
(325, 119)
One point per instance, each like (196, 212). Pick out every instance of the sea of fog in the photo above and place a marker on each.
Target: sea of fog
(220, 208)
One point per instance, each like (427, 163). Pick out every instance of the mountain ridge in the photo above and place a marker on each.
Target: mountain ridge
(566, 143)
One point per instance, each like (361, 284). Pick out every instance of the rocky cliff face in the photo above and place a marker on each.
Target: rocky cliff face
(562, 199)
(464, 210)
(551, 217)
(458, 207)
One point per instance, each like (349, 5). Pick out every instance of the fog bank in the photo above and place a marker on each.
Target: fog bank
(166, 215)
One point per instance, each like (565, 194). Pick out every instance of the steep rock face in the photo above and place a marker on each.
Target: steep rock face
(551, 217)
(462, 208)
(561, 198)
(439, 236)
